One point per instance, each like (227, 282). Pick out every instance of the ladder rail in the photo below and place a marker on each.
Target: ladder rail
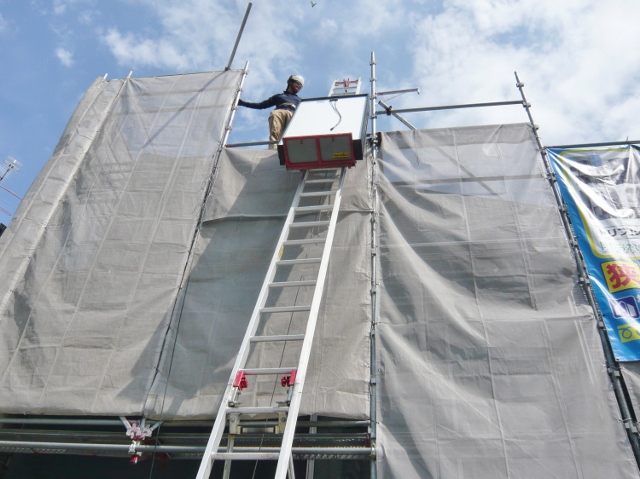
(285, 465)
(305, 353)
(221, 419)
(346, 87)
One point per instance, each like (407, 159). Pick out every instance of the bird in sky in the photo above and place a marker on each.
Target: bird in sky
(313, 4)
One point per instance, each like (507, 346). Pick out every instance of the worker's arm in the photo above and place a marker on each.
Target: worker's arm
(259, 106)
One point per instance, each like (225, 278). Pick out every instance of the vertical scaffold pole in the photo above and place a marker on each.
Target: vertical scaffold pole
(374, 195)
(234, 107)
(613, 368)
(235, 46)
(223, 140)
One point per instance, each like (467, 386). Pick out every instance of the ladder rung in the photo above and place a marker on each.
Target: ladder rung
(287, 284)
(318, 193)
(246, 456)
(304, 241)
(308, 224)
(322, 180)
(317, 170)
(256, 410)
(285, 309)
(305, 209)
(281, 337)
(288, 262)
(263, 371)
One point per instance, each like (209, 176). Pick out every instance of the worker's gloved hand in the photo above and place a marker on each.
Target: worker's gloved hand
(241, 103)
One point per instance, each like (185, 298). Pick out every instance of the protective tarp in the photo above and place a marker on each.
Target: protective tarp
(631, 374)
(251, 197)
(120, 302)
(489, 360)
(93, 260)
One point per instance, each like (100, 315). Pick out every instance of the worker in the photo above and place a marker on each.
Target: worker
(285, 105)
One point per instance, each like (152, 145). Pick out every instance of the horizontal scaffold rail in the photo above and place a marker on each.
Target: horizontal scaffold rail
(76, 422)
(595, 145)
(250, 143)
(59, 447)
(448, 107)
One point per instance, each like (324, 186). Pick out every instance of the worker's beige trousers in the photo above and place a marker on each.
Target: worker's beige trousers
(278, 120)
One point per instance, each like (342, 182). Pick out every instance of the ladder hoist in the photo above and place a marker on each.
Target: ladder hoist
(284, 319)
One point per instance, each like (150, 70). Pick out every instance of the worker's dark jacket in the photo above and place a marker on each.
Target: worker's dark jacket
(281, 101)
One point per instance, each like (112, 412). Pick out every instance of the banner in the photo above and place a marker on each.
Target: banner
(601, 188)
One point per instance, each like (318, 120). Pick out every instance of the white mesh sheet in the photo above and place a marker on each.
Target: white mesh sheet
(489, 360)
(250, 199)
(94, 257)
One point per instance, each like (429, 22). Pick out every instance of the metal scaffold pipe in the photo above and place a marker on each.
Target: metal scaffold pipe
(388, 108)
(450, 107)
(613, 368)
(235, 46)
(358, 452)
(374, 98)
(398, 92)
(596, 145)
(372, 334)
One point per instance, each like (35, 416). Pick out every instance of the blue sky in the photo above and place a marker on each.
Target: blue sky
(579, 60)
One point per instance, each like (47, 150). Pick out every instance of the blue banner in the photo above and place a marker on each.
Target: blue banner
(601, 188)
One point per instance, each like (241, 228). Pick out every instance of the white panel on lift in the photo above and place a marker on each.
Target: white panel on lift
(328, 116)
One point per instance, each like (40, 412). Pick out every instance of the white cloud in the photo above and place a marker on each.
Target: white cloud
(65, 56)
(199, 34)
(87, 17)
(60, 6)
(578, 59)
(370, 18)
(328, 29)
(4, 24)
(310, 40)
(129, 49)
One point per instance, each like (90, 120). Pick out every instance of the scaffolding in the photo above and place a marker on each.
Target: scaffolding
(321, 437)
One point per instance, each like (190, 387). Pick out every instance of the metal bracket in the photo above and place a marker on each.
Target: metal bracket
(282, 422)
(240, 381)
(629, 425)
(584, 280)
(288, 381)
(614, 372)
(135, 456)
(234, 423)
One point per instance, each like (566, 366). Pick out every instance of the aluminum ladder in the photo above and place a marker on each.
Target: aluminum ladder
(304, 245)
(345, 87)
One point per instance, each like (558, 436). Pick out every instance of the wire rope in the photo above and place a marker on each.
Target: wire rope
(334, 105)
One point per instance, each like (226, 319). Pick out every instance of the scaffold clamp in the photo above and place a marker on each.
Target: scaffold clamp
(137, 430)
(290, 380)
(240, 381)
